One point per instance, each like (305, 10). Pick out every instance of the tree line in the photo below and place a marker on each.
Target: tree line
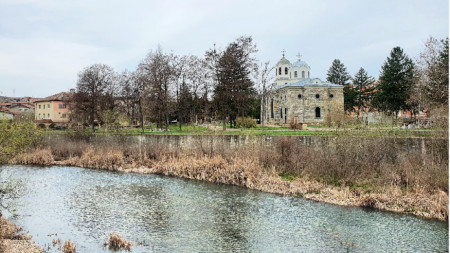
(403, 84)
(169, 88)
(231, 83)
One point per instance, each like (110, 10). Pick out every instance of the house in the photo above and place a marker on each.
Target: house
(297, 98)
(53, 109)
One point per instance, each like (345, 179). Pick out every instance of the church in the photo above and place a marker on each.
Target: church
(296, 98)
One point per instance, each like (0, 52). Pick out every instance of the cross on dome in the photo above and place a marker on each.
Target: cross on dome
(299, 56)
(284, 51)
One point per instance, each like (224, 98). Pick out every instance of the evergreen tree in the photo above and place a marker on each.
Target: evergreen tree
(396, 80)
(362, 83)
(338, 74)
(234, 89)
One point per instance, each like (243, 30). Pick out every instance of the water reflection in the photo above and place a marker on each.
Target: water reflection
(176, 215)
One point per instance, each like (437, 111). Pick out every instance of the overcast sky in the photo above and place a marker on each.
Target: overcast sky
(44, 44)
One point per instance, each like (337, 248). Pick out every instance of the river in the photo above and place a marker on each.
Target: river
(177, 215)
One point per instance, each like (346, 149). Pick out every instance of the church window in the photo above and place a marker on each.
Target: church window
(286, 71)
(299, 96)
(331, 96)
(279, 71)
(276, 72)
(295, 74)
(317, 96)
(271, 108)
(285, 115)
(281, 113)
(317, 112)
(303, 74)
(308, 74)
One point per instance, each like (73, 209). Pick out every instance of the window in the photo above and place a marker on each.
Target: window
(49, 115)
(62, 106)
(308, 74)
(286, 71)
(279, 71)
(295, 74)
(276, 72)
(43, 115)
(285, 115)
(317, 112)
(48, 106)
(39, 106)
(299, 96)
(331, 96)
(303, 74)
(317, 96)
(63, 115)
(39, 116)
(43, 106)
(271, 108)
(281, 113)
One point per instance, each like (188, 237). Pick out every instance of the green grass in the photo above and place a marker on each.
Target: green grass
(269, 131)
(287, 176)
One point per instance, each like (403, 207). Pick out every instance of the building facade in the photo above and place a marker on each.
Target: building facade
(53, 109)
(297, 98)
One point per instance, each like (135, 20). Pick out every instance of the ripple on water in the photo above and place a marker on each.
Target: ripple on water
(178, 215)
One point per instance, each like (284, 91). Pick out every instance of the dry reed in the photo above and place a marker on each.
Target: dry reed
(69, 247)
(116, 242)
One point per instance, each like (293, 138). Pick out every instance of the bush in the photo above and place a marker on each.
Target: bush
(245, 122)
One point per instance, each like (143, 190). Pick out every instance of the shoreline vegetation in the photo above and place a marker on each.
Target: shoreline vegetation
(370, 172)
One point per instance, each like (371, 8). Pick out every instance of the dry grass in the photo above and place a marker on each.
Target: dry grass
(42, 157)
(11, 241)
(69, 247)
(116, 242)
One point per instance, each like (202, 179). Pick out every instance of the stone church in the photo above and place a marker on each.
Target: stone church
(297, 98)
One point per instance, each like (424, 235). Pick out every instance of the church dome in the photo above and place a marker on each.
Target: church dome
(284, 61)
(300, 63)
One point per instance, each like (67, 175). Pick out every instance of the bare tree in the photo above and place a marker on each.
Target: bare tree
(264, 78)
(159, 72)
(96, 89)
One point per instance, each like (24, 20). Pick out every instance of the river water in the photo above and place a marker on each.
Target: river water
(177, 215)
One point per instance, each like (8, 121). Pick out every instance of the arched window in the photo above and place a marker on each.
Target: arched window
(299, 96)
(281, 113)
(286, 71)
(317, 96)
(317, 112)
(276, 72)
(295, 74)
(331, 96)
(279, 71)
(308, 74)
(271, 108)
(303, 74)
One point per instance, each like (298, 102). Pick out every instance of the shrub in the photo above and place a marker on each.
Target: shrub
(245, 122)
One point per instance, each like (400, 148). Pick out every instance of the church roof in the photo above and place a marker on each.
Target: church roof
(310, 82)
(300, 63)
(284, 61)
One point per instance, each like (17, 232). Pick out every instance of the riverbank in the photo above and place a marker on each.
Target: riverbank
(11, 241)
(373, 173)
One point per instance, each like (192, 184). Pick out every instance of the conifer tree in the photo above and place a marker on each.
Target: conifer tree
(338, 74)
(396, 80)
(362, 83)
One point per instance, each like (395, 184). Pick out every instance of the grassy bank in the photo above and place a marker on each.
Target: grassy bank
(369, 172)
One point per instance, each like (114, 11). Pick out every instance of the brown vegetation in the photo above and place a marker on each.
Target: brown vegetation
(116, 242)
(370, 172)
(11, 241)
(69, 247)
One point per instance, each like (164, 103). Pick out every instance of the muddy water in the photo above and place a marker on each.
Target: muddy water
(176, 215)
